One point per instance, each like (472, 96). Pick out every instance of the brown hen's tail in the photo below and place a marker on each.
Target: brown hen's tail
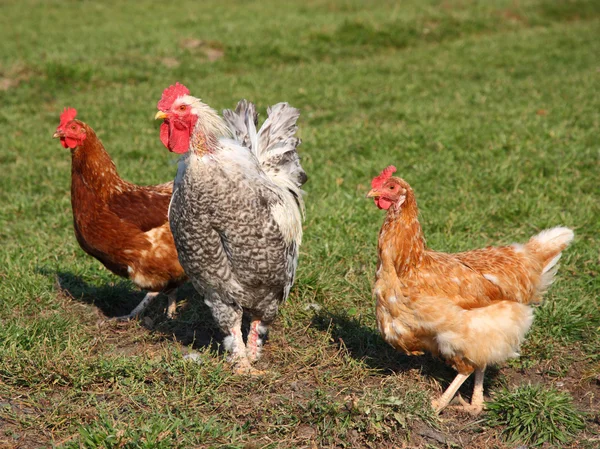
(547, 247)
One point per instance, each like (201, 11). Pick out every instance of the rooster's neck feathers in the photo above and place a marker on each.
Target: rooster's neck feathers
(208, 129)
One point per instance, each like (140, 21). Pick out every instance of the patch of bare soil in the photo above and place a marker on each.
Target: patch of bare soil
(13, 76)
(212, 50)
(14, 436)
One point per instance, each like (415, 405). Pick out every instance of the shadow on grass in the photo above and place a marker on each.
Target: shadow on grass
(364, 343)
(192, 326)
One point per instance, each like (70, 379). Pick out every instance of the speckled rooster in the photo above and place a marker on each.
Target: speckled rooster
(471, 308)
(237, 210)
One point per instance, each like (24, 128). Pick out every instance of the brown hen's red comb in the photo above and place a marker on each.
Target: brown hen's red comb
(67, 115)
(378, 181)
(170, 94)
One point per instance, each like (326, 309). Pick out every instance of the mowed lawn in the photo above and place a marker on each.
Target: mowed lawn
(489, 109)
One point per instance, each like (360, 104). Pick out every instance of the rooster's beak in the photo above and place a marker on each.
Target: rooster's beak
(58, 134)
(374, 193)
(160, 115)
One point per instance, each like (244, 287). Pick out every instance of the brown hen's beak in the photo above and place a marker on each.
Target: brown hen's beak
(373, 193)
(160, 115)
(58, 134)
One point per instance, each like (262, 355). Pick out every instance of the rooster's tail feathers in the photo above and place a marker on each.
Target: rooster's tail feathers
(275, 144)
(242, 122)
(547, 246)
(278, 144)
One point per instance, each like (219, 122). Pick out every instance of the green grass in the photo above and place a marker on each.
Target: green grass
(489, 109)
(534, 415)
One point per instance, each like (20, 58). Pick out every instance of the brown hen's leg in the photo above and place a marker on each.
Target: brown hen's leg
(255, 339)
(440, 403)
(172, 307)
(139, 308)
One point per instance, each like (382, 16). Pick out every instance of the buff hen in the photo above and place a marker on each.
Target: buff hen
(473, 308)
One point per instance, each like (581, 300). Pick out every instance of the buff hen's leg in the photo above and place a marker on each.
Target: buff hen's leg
(440, 403)
(476, 405)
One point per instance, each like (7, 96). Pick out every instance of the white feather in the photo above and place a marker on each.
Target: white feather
(557, 236)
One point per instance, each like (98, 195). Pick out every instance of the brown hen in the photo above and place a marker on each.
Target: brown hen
(123, 225)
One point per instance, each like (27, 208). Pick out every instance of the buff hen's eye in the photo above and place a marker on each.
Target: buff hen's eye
(182, 107)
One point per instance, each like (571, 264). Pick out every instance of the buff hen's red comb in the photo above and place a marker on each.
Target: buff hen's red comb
(67, 115)
(170, 94)
(386, 174)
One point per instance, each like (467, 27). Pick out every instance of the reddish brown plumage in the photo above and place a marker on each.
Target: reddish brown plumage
(123, 225)
(470, 308)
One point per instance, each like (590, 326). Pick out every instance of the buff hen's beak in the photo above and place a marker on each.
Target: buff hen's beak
(160, 115)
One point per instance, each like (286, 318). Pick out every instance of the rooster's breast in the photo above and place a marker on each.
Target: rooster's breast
(227, 239)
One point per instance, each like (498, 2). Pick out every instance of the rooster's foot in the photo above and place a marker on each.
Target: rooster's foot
(249, 371)
(243, 368)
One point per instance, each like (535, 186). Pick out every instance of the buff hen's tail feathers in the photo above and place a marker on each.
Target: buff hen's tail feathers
(547, 246)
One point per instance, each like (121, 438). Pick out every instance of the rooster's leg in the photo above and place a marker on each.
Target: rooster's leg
(229, 318)
(440, 403)
(255, 339)
(172, 307)
(140, 307)
(235, 343)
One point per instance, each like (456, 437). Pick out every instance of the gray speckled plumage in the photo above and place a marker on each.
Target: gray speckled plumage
(228, 242)
(236, 218)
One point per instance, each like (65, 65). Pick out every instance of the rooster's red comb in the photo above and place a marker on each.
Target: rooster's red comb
(170, 94)
(378, 181)
(67, 115)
